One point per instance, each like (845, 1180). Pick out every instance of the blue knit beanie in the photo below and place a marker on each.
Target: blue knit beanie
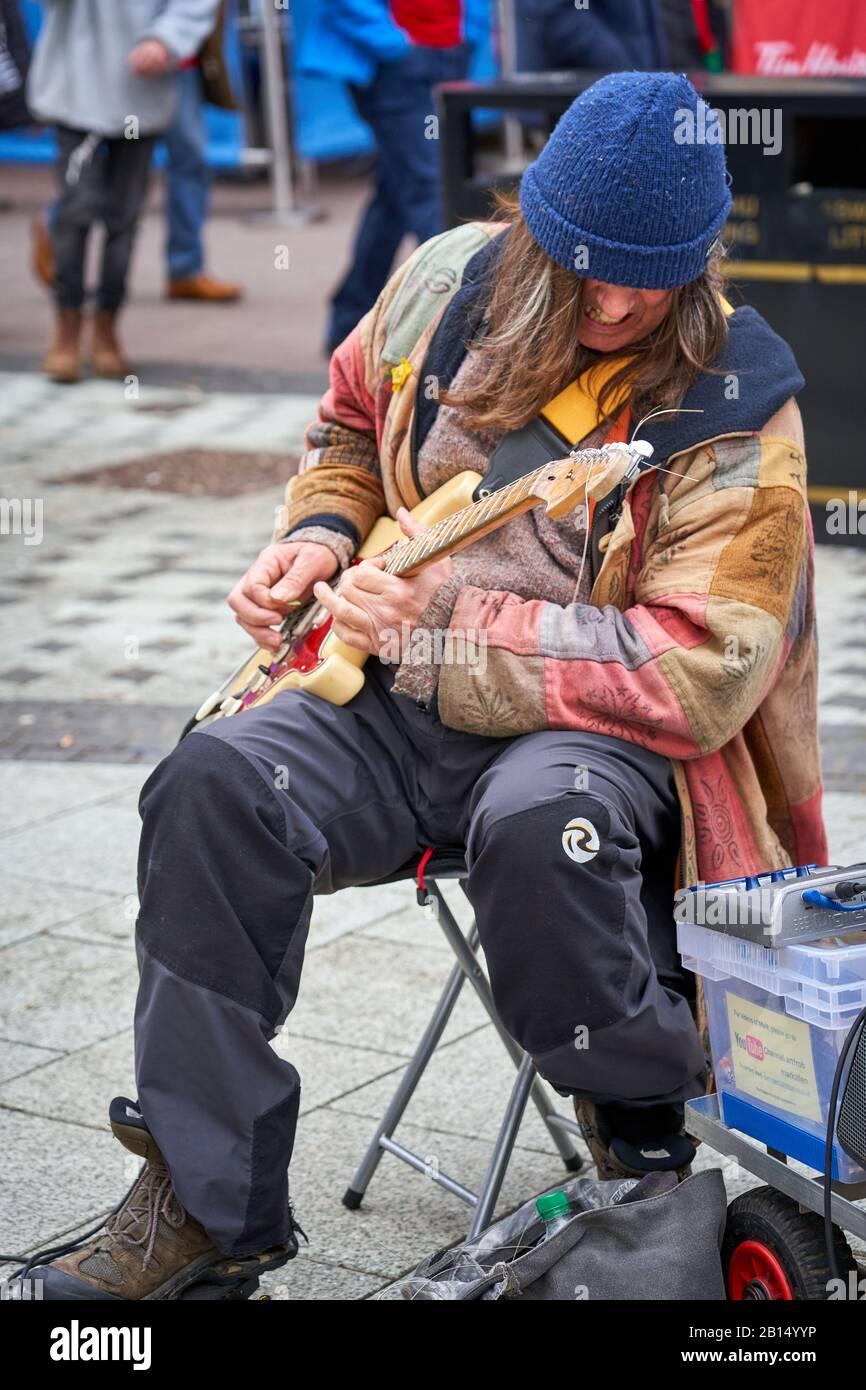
(616, 196)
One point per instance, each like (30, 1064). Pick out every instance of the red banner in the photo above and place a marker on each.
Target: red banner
(812, 38)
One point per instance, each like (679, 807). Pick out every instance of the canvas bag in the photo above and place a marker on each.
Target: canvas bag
(627, 1240)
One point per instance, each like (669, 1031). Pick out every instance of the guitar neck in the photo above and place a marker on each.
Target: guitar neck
(470, 523)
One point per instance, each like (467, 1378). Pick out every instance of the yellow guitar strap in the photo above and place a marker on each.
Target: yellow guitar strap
(574, 412)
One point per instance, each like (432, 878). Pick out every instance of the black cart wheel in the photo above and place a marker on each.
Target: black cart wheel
(773, 1251)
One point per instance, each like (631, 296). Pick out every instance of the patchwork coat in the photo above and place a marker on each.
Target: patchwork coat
(699, 638)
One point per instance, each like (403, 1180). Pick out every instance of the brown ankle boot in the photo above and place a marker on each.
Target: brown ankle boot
(147, 1249)
(106, 355)
(151, 1248)
(616, 1158)
(61, 360)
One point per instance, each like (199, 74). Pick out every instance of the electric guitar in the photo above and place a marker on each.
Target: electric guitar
(312, 658)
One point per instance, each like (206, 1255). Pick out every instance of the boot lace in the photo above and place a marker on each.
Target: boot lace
(153, 1199)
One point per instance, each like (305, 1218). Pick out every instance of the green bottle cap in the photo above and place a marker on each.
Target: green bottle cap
(552, 1205)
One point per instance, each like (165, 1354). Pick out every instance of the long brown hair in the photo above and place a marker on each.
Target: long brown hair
(528, 349)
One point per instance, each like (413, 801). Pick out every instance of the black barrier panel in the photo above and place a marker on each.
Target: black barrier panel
(797, 236)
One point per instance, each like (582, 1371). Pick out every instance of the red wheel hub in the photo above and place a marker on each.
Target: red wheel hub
(755, 1274)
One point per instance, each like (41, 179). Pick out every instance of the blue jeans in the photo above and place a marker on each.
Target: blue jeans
(187, 179)
(398, 106)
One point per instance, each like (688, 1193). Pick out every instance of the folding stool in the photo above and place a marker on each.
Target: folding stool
(427, 870)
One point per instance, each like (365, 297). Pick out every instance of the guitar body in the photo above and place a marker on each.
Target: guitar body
(316, 660)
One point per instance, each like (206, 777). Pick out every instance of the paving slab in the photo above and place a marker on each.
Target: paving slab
(30, 905)
(32, 794)
(17, 1058)
(95, 847)
(328, 1070)
(845, 818)
(405, 1215)
(354, 909)
(65, 994)
(417, 926)
(464, 1091)
(276, 331)
(371, 994)
(111, 923)
(306, 1280)
(57, 1178)
(77, 1088)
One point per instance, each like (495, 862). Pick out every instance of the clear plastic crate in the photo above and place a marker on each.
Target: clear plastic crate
(822, 981)
(778, 1020)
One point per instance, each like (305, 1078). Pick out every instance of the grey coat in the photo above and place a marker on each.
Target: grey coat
(80, 74)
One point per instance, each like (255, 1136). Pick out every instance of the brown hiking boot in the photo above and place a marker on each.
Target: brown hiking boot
(106, 355)
(42, 261)
(61, 360)
(151, 1248)
(616, 1156)
(204, 287)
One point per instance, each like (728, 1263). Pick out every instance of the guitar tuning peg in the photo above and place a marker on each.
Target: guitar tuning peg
(640, 451)
(641, 448)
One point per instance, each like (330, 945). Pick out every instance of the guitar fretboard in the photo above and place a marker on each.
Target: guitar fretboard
(416, 550)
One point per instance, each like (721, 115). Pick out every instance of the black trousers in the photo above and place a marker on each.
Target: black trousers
(570, 841)
(100, 180)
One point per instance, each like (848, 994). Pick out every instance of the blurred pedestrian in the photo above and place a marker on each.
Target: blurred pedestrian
(604, 36)
(201, 80)
(14, 59)
(391, 55)
(105, 75)
(698, 33)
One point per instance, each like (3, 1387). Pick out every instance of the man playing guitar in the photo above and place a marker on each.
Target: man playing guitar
(619, 723)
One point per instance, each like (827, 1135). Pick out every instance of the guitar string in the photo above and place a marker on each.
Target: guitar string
(478, 512)
(523, 485)
(497, 495)
(408, 553)
(498, 502)
(473, 517)
(528, 478)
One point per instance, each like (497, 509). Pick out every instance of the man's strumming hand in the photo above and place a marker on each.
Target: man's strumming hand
(282, 576)
(372, 606)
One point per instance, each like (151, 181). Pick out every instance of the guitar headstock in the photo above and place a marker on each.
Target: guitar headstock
(564, 483)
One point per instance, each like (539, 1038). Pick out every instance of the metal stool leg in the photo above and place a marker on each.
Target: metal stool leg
(503, 1149)
(527, 1084)
(354, 1194)
(558, 1127)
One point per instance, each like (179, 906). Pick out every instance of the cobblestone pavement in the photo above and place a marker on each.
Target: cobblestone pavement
(114, 627)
